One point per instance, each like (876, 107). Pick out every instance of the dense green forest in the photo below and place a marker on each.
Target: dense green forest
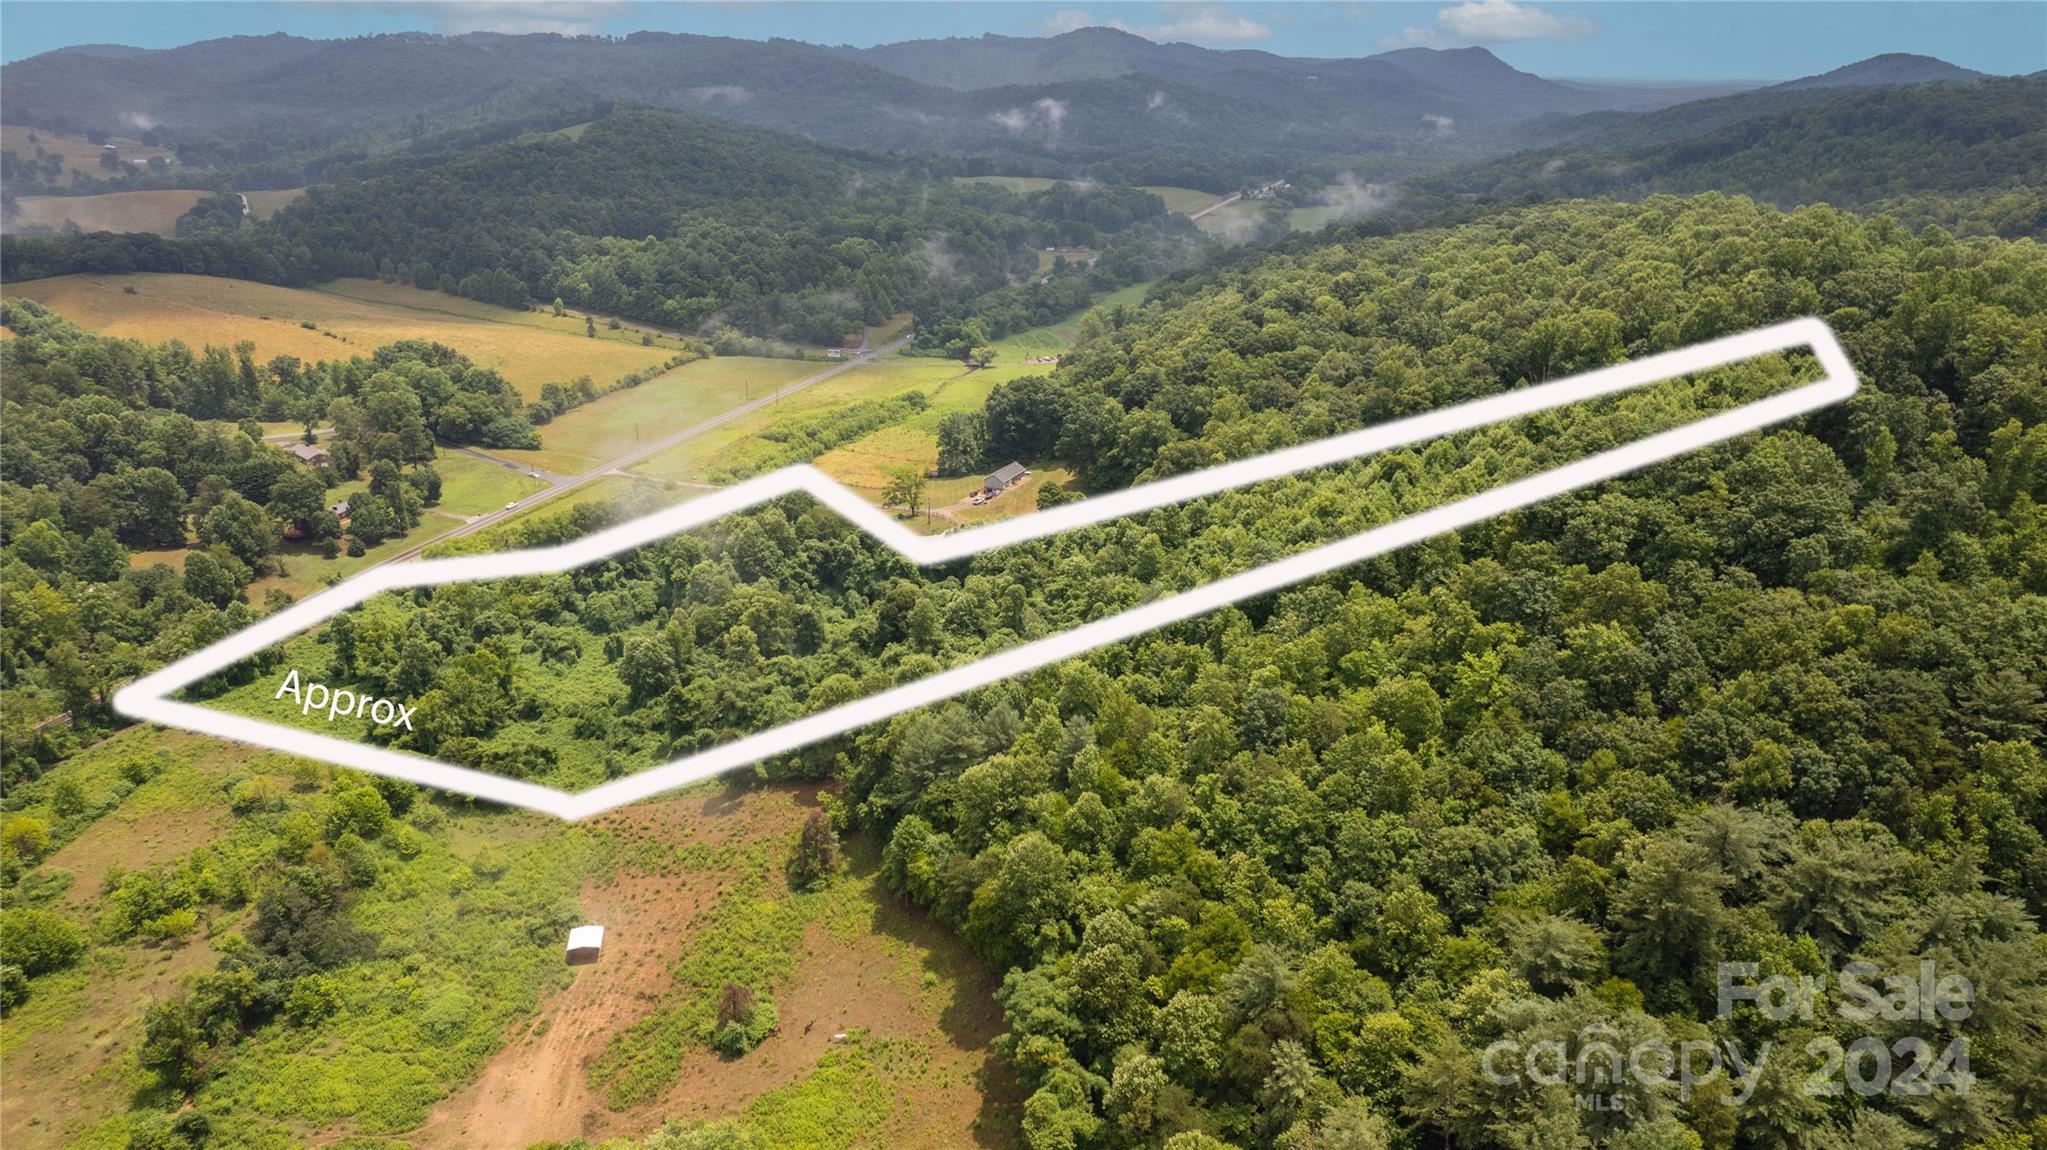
(114, 447)
(1278, 877)
(666, 218)
(1971, 158)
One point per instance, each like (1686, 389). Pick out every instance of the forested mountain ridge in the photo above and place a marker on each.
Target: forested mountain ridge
(668, 217)
(1968, 156)
(300, 93)
(1468, 78)
(1095, 96)
(1888, 68)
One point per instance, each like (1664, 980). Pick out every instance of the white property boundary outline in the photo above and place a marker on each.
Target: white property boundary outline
(149, 697)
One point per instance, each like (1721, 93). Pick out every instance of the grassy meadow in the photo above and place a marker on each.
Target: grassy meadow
(741, 444)
(1185, 201)
(615, 424)
(1234, 222)
(81, 156)
(1315, 218)
(1056, 337)
(347, 317)
(153, 211)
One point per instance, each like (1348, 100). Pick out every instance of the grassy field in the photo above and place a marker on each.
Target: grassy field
(109, 212)
(81, 156)
(613, 425)
(1185, 201)
(739, 443)
(349, 318)
(263, 205)
(1054, 338)
(1314, 219)
(897, 325)
(1234, 222)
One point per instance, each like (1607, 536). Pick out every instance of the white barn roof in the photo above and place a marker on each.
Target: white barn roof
(591, 936)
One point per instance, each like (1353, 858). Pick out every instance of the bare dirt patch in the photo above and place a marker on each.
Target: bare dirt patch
(537, 1088)
(880, 970)
(906, 979)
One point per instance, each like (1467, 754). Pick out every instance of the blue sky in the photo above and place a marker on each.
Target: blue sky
(1667, 40)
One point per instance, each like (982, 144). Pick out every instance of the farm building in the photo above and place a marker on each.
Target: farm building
(586, 943)
(310, 454)
(1004, 478)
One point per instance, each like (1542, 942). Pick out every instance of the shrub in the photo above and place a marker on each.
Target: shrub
(744, 1020)
(26, 837)
(39, 941)
(817, 852)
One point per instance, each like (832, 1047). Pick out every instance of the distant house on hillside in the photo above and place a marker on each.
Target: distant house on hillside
(340, 510)
(310, 454)
(1004, 478)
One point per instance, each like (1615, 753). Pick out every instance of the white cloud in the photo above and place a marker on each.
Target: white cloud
(1068, 20)
(1210, 23)
(1199, 23)
(1047, 114)
(1492, 22)
(1155, 102)
(1444, 125)
(512, 17)
(721, 94)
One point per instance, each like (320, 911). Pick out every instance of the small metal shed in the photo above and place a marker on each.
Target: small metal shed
(586, 943)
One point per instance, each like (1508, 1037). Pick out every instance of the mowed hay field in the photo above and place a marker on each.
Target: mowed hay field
(355, 317)
(1233, 223)
(1185, 201)
(109, 212)
(615, 424)
(740, 443)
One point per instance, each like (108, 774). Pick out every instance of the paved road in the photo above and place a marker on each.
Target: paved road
(557, 484)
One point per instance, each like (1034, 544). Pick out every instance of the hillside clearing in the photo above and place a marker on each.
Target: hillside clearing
(861, 964)
(263, 205)
(80, 156)
(355, 317)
